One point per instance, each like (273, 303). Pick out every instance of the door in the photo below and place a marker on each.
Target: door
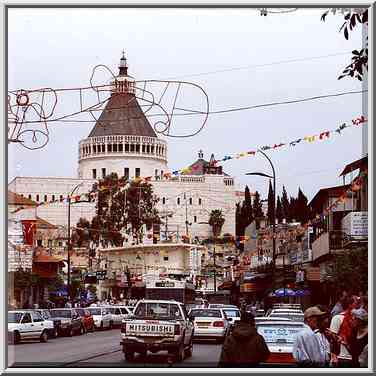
(118, 316)
(26, 326)
(38, 324)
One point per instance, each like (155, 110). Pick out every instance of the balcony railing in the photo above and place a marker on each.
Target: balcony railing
(327, 242)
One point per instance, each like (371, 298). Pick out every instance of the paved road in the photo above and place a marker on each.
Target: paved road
(100, 349)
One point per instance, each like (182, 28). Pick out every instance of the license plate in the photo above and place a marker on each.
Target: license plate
(150, 329)
(203, 324)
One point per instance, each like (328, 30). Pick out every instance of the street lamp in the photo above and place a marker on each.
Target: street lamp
(214, 257)
(69, 240)
(274, 205)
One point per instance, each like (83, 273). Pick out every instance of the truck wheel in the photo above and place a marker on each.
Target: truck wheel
(44, 336)
(129, 356)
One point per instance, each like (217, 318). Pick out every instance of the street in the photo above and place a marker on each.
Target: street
(100, 349)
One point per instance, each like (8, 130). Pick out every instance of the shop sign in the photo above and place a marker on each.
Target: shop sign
(101, 275)
(248, 287)
(355, 224)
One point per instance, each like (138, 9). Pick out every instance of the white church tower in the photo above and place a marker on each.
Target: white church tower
(122, 140)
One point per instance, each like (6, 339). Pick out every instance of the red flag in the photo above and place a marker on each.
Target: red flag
(29, 230)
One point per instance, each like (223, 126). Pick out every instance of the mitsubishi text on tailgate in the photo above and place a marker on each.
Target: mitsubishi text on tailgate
(157, 325)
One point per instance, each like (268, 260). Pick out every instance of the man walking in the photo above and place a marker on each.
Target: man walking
(308, 350)
(244, 347)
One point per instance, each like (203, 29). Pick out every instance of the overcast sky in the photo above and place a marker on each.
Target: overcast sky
(59, 48)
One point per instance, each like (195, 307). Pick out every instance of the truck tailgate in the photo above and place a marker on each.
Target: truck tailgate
(152, 328)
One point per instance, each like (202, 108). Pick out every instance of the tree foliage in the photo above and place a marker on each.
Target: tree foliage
(285, 205)
(359, 60)
(271, 204)
(216, 221)
(351, 270)
(279, 211)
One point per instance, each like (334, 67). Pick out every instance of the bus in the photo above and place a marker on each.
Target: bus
(170, 289)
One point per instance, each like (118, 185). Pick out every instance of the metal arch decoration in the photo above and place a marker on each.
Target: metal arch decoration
(31, 112)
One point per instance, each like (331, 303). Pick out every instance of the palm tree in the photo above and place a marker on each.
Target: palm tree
(216, 221)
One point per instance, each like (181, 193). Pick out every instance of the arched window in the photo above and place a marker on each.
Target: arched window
(190, 201)
(37, 198)
(45, 198)
(199, 201)
(163, 200)
(194, 219)
(178, 201)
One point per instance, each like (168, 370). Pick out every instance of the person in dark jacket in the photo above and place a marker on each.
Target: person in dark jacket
(244, 347)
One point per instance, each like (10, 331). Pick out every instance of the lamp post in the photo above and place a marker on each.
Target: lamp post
(69, 240)
(274, 206)
(214, 257)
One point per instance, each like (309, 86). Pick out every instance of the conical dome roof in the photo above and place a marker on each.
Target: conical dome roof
(122, 116)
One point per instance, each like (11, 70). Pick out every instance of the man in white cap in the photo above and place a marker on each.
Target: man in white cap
(308, 350)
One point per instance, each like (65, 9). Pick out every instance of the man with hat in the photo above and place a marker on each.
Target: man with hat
(308, 350)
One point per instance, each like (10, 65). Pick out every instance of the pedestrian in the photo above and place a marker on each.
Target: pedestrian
(342, 325)
(308, 350)
(359, 338)
(244, 347)
(338, 308)
(321, 332)
(363, 357)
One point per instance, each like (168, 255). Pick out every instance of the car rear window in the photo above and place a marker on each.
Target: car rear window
(157, 311)
(232, 312)
(206, 313)
(279, 333)
(292, 316)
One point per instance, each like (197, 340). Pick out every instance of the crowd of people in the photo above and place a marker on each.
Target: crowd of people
(330, 338)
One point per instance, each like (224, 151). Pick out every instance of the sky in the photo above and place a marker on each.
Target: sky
(237, 56)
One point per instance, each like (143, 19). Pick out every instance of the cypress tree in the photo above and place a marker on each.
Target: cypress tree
(271, 204)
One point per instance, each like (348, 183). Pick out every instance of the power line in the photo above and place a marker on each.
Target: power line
(287, 61)
(193, 112)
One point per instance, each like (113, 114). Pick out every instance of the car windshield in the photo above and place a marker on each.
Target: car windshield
(95, 311)
(61, 313)
(45, 314)
(80, 311)
(232, 312)
(158, 311)
(291, 316)
(279, 333)
(206, 313)
(14, 317)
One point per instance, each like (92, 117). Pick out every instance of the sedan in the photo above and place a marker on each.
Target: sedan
(26, 325)
(117, 315)
(279, 337)
(71, 322)
(102, 318)
(232, 314)
(209, 323)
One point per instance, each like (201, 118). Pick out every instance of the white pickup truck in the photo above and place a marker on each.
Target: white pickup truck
(157, 325)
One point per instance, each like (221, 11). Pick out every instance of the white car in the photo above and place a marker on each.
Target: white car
(27, 325)
(285, 310)
(232, 314)
(279, 337)
(117, 314)
(209, 323)
(102, 318)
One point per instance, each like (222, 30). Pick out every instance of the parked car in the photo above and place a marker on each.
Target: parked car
(52, 324)
(279, 337)
(209, 323)
(285, 310)
(117, 314)
(102, 318)
(86, 318)
(71, 322)
(27, 325)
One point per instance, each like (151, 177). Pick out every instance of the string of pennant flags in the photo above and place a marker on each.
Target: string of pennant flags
(322, 136)
(355, 186)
